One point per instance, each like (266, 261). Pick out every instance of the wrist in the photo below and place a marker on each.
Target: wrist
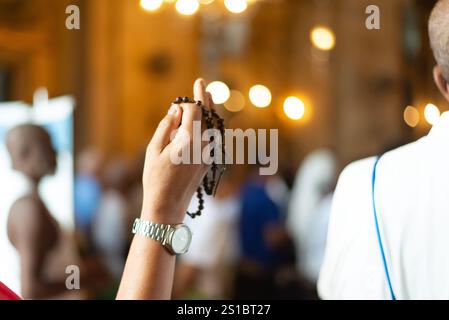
(165, 214)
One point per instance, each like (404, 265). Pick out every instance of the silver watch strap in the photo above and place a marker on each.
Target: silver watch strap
(155, 231)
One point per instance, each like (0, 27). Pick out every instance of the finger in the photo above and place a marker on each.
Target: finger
(199, 91)
(190, 114)
(165, 128)
(210, 101)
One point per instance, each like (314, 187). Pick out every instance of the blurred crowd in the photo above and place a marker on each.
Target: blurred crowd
(108, 198)
(241, 248)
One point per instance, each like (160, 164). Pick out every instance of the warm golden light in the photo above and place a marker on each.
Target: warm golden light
(323, 38)
(432, 113)
(187, 7)
(411, 116)
(219, 90)
(236, 6)
(206, 2)
(260, 96)
(294, 108)
(151, 5)
(236, 101)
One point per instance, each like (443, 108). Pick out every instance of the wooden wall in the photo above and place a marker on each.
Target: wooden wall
(125, 66)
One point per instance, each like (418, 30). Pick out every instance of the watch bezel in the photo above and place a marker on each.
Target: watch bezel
(169, 243)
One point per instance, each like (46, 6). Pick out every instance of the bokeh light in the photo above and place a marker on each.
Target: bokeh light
(236, 6)
(236, 101)
(411, 116)
(432, 113)
(260, 96)
(219, 90)
(151, 5)
(187, 7)
(323, 38)
(294, 108)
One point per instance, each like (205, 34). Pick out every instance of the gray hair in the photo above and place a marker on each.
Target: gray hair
(439, 35)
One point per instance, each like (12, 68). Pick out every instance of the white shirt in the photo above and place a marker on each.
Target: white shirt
(314, 245)
(108, 230)
(308, 211)
(214, 232)
(214, 243)
(412, 199)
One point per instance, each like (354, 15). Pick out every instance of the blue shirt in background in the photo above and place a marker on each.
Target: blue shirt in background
(87, 199)
(258, 211)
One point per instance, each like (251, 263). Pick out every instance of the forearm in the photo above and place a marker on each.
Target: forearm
(148, 273)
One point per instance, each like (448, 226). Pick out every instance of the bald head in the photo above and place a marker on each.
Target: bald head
(439, 35)
(31, 150)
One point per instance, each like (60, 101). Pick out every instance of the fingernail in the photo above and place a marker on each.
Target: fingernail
(173, 110)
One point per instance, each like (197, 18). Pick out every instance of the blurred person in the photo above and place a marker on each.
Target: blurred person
(32, 235)
(309, 210)
(109, 223)
(205, 269)
(262, 236)
(34, 249)
(388, 227)
(88, 191)
(135, 193)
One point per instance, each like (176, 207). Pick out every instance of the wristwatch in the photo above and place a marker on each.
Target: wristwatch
(175, 238)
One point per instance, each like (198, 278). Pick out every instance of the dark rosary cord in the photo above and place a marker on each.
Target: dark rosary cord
(212, 121)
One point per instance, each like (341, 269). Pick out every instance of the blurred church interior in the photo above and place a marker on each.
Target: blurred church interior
(125, 64)
(309, 68)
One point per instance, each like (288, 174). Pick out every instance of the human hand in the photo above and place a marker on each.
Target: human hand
(168, 187)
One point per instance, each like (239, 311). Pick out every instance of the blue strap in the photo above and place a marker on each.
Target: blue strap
(379, 238)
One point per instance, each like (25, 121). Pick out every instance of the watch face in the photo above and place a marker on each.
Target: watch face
(181, 240)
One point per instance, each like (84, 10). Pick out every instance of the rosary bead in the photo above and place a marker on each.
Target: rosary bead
(178, 100)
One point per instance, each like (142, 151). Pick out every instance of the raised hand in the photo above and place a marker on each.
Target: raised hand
(168, 187)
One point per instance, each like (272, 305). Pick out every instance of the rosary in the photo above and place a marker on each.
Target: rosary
(213, 176)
